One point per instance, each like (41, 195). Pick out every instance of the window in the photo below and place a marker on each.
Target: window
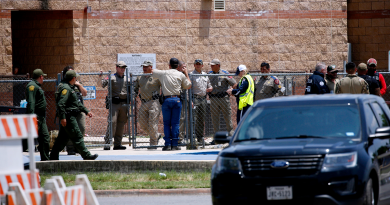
(219, 5)
(370, 119)
(323, 121)
(381, 116)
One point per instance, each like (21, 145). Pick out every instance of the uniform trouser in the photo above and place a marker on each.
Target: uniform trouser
(199, 116)
(149, 114)
(218, 105)
(182, 129)
(241, 113)
(81, 122)
(119, 119)
(70, 132)
(171, 115)
(43, 138)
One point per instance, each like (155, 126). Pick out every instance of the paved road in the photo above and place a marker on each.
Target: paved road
(204, 199)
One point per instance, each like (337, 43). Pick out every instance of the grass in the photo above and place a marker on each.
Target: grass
(139, 180)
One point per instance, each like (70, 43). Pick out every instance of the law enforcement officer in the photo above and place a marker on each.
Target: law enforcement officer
(172, 81)
(69, 107)
(149, 112)
(219, 98)
(331, 78)
(200, 87)
(267, 86)
(36, 103)
(80, 92)
(119, 109)
(373, 85)
(316, 83)
(244, 93)
(351, 83)
(372, 63)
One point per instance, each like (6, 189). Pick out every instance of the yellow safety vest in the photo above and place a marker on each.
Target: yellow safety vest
(247, 97)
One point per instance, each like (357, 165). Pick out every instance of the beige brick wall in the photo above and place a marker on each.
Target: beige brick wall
(242, 36)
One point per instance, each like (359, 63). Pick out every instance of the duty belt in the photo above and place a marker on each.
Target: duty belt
(117, 100)
(199, 97)
(73, 112)
(172, 96)
(218, 95)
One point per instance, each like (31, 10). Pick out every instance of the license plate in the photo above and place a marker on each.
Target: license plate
(279, 193)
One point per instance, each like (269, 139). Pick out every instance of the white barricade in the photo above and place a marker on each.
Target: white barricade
(21, 187)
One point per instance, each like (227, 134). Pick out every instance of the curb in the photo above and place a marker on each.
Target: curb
(123, 166)
(143, 192)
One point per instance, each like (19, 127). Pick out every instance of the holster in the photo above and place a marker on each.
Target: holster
(107, 102)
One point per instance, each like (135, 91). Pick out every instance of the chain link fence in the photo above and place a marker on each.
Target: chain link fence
(201, 116)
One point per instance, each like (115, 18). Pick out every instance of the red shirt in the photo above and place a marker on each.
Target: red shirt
(383, 84)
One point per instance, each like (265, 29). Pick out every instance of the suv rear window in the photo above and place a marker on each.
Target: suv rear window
(321, 121)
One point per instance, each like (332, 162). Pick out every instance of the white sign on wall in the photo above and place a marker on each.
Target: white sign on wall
(134, 61)
(91, 93)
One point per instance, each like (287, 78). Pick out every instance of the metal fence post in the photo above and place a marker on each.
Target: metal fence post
(128, 105)
(110, 110)
(190, 116)
(132, 98)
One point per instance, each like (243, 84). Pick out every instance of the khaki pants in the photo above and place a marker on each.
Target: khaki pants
(149, 114)
(119, 120)
(182, 129)
(199, 113)
(217, 106)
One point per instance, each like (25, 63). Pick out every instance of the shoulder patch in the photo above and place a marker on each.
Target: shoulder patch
(64, 91)
(276, 80)
(31, 88)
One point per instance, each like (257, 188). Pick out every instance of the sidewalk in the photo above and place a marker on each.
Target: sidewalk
(143, 154)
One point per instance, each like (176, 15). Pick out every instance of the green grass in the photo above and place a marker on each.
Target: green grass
(139, 180)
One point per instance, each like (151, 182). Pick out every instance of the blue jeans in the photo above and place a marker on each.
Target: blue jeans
(171, 114)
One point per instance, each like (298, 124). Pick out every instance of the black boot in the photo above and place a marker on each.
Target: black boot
(166, 148)
(91, 157)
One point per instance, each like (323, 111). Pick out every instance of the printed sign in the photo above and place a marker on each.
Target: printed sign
(134, 61)
(91, 93)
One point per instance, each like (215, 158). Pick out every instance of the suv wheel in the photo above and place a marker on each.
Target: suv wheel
(369, 197)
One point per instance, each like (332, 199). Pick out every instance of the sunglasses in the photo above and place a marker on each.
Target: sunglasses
(372, 66)
(123, 67)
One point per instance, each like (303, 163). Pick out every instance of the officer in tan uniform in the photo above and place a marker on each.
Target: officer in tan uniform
(119, 108)
(331, 78)
(352, 83)
(200, 87)
(149, 112)
(267, 86)
(219, 98)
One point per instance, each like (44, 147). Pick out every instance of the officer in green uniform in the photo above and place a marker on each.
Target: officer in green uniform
(36, 103)
(69, 107)
(80, 92)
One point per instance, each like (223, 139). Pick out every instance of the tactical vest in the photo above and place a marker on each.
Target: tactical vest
(247, 97)
(376, 77)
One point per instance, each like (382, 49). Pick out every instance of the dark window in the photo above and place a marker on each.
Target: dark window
(322, 121)
(381, 116)
(371, 121)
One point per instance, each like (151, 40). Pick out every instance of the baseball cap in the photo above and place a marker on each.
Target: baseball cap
(215, 62)
(37, 73)
(198, 61)
(331, 69)
(71, 74)
(147, 63)
(240, 68)
(371, 61)
(121, 64)
(362, 66)
(174, 61)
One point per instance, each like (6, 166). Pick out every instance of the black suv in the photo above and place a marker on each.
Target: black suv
(329, 149)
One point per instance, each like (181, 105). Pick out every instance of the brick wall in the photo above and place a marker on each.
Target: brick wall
(369, 31)
(291, 35)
